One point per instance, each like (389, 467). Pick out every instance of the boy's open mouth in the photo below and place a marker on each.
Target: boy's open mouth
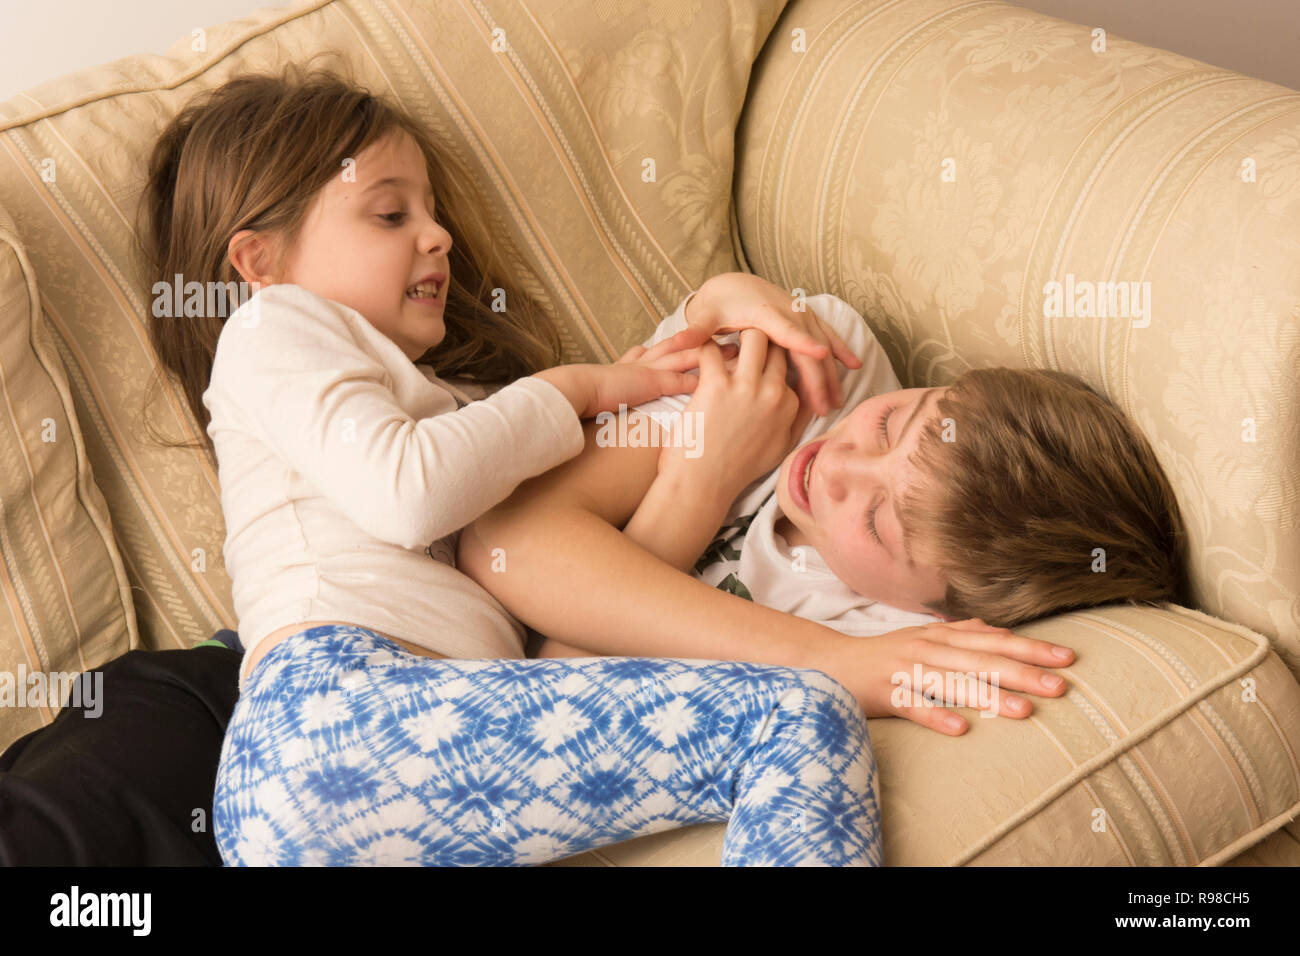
(800, 478)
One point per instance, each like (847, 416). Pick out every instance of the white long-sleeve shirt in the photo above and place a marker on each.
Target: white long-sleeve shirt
(344, 480)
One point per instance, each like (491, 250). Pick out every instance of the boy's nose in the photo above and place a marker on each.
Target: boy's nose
(846, 467)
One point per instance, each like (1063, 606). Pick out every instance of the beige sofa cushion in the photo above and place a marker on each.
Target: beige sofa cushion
(1281, 848)
(557, 125)
(67, 603)
(936, 163)
(1177, 743)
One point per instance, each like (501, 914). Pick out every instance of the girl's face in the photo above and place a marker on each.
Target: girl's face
(860, 470)
(370, 237)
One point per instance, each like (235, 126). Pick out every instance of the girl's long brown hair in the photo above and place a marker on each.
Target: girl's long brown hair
(252, 154)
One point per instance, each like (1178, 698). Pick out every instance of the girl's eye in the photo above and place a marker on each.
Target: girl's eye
(388, 217)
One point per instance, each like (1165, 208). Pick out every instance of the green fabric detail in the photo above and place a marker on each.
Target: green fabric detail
(721, 547)
(733, 585)
(210, 642)
(726, 547)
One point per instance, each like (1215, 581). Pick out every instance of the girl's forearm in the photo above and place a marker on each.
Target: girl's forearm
(576, 578)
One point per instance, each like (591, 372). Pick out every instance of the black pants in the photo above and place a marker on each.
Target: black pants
(133, 786)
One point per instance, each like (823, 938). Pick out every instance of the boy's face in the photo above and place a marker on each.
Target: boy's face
(861, 469)
(364, 244)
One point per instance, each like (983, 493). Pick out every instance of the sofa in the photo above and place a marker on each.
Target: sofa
(938, 164)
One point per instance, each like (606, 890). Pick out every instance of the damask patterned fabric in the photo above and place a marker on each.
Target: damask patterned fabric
(601, 135)
(942, 164)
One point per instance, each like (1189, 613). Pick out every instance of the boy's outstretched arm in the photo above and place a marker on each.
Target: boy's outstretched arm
(566, 570)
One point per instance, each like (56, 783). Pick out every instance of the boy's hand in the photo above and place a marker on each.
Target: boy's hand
(738, 300)
(746, 418)
(880, 671)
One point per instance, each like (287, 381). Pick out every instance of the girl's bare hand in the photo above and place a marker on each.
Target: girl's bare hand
(638, 376)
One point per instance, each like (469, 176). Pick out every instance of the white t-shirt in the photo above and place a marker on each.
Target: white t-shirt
(344, 483)
(748, 557)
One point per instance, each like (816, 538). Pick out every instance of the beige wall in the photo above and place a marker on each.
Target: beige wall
(44, 39)
(1258, 37)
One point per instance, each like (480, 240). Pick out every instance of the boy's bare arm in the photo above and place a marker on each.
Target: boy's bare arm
(568, 572)
(674, 517)
(564, 568)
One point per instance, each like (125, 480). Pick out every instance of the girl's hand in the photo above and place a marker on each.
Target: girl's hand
(745, 418)
(881, 671)
(638, 376)
(738, 300)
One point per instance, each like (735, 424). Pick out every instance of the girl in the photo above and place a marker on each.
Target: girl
(387, 714)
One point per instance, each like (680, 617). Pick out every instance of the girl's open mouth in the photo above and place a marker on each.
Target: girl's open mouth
(427, 293)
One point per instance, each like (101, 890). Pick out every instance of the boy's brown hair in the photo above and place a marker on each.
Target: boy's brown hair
(252, 154)
(1044, 498)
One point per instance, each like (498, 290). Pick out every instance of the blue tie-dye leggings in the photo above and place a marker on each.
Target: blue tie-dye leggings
(344, 748)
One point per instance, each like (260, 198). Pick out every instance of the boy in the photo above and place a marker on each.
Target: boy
(1010, 494)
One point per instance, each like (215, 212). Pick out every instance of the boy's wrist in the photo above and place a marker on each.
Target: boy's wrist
(689, 480)
(692, 299)
(677, 518)
(698, 305)
(714, 291)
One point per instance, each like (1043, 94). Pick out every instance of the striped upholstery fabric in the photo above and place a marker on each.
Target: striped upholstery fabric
(936, 163)
(1177, 741)
(67, 603)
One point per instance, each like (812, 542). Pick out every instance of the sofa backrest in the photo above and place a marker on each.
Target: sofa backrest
(66, 598)
(939, 163)
(602, 137)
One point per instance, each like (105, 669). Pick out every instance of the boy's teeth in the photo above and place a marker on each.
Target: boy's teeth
(807, 476)
(424, 289)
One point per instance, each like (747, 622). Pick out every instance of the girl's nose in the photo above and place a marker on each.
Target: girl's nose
(435, 239)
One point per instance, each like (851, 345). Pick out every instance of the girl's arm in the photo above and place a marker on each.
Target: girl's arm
(680, 495)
